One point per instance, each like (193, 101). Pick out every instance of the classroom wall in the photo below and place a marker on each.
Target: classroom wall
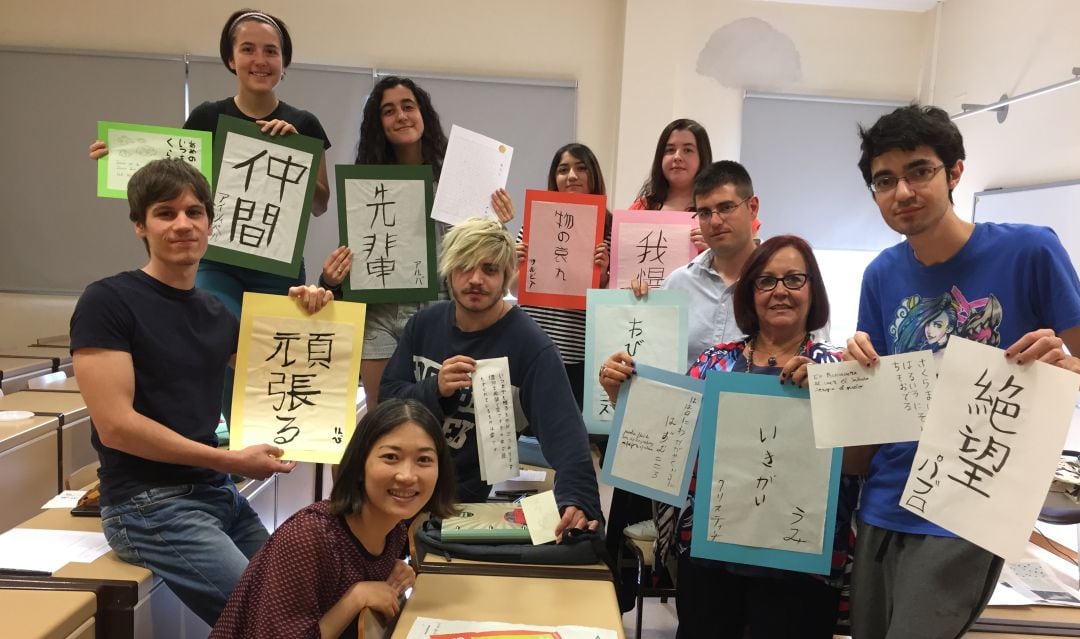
(990, 47)
(558, 39)
(840, 52)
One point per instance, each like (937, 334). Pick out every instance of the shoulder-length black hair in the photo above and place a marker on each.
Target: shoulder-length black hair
(655, 189)
(374, 147)
(743, 298)
(348, 494)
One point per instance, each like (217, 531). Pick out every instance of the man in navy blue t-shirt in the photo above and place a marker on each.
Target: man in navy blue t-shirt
(150, 352)
(1007, 285)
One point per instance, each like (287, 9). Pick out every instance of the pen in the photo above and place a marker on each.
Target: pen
(18, 572)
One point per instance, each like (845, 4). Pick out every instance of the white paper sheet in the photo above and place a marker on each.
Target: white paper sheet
(496, 435)
(541, 516)
(259, 197)
(896, 392)
(67, 499)
(989, 446)
(130, 150)
(387, 225)
(1027, 583)
(769, 487)
(648, 333)
(425, 627)
(475, 165)
(49, 550)
(655, 438)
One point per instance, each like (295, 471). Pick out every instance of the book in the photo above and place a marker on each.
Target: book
(486, 524)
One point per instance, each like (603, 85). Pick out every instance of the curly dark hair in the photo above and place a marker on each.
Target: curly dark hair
(374, 148)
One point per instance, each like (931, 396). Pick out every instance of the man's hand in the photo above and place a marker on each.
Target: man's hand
(456, 373)
(258, 461)
(573, 517)
(861, 350)
(1042, 345)
(311, 298)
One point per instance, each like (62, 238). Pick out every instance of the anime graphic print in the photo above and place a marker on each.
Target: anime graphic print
(926, 323)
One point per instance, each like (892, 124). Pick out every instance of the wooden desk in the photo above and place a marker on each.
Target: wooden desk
(16, 372)
(66, 385)
(58, 356)
(43, 614)
(545, 602)
(74, 449)
(55, 340)
(28, 467)
(1053, 621)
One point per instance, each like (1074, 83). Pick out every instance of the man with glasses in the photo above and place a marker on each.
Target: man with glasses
(726, 209)
(1007, 285)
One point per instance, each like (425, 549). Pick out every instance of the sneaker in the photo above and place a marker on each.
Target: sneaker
(642, 531)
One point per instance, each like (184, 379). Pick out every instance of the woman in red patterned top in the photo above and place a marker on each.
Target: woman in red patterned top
(335, 558)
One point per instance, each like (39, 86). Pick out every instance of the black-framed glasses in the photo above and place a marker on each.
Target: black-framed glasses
(724, 210)
(792, 282)
(916, 175)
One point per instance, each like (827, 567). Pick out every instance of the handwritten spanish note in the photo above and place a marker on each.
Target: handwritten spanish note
(561, 231)
(296, 377)
(649, 245)
(132, 146)
(383, 216)
(265, 186)
(496, 434)
(652, 330)
(654, 439)
(765, 494)
(475, 165)
(896, 393)
(990, 445)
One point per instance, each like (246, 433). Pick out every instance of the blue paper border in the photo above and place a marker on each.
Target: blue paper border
(672, 379)
(595, 298)
(769, 386)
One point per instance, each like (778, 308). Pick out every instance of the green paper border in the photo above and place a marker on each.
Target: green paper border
(227, 124)
(389, 172)
(206, 166)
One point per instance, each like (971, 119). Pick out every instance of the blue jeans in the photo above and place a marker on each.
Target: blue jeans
(228, 283)
(197, 538)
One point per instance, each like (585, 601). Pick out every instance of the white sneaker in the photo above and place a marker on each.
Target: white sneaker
(642, 531)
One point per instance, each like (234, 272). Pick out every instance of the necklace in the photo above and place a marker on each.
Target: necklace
(772, 360)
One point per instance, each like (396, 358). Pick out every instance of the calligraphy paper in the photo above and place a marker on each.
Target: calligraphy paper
(496, 434)
(132, 146)
(649, 245)
(653, 330)
(896, 392)
(431, 628)
(264, 189)
(766, 495)
(541, 516)
(561, 231)
(383, 217)
(654, 438)
(475, 165)
(296, 377)
(990, 446)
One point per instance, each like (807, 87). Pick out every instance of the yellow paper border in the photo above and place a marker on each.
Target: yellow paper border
(262, 305)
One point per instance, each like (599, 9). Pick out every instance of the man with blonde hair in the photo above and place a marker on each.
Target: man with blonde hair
(436, 357)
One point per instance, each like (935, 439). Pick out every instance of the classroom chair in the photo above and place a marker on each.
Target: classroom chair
(641, 554)
(1061, 510)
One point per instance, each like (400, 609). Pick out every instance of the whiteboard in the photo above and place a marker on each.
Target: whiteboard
(1056, 204)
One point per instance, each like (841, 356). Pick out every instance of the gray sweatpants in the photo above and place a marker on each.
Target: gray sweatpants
(907, 586)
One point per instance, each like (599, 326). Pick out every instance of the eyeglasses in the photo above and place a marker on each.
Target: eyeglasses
(724, 210)
(917, 175)
(792, 282)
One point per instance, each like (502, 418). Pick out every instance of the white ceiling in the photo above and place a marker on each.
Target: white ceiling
(916, 6)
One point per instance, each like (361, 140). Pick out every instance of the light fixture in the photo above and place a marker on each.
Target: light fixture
(1001, 107)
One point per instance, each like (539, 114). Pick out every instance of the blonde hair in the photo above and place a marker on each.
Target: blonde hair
(478, 240)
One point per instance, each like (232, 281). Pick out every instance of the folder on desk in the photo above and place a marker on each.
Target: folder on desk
(486, 524)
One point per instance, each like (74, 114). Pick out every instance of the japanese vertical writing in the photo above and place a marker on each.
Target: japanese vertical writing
(985, 452)
(915, 382)
(293, 382)
(495, 425)
(564, 222)
(652, 250)
(387, 229)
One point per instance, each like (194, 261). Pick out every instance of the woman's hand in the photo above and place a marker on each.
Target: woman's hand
(378, 596)
(502, 205)
(402, 577)
(276, 127)
(337, 266)
(795, 371)
(98, 149)
(614, 371)
(521, 249)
